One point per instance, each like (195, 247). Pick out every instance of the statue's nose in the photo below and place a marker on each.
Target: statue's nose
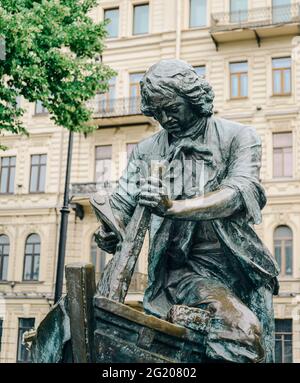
(164, 117)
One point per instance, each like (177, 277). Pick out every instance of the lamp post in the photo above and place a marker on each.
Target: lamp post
(63, 226)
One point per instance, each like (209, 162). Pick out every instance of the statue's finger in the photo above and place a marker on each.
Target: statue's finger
(107, 235)
(147, 203)
(150, 196)
(150, 189)
(154, 181)
(112, 242)
(110, 250)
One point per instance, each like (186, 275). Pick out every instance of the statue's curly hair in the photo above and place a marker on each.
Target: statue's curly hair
(169, 76)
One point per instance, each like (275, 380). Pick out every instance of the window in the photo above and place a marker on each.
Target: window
(140, 19)
(129, 149)
(113, 26)
(200, 70)
(4, 254)
(1, 331)
(99, 258)
(38, 173)
(283, 341)
(107, 100)
(7, 175)
(239, 80)
(282, 83)
(135, 92)
(283, 249)
(238, 11)
(40, 109)
(281, 11)
(282, 155)
(18, 101)
(32, 258)
(134, 85)
(198, 13)
(25, 324)
(103, 164)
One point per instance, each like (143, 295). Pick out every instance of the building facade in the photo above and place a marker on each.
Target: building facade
(249, 50)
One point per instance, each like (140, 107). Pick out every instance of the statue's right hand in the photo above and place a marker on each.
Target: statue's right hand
(107, 240)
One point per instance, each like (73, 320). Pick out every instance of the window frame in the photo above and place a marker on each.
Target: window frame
(21, 331)
(134, 101)
(135, 84)
(9, 167)
(113, 9)
(206, 16)
(39, 165)
(282, 81)
(283, 340)
(201, 66)
(2, 255)
(239, 75)
(99, 258)
(281, 149)
(44, 111)
(283, 245)
(279, 8)
(106, 102)
(103, 159)
(134, 5)
(237, 21)
(33, 257)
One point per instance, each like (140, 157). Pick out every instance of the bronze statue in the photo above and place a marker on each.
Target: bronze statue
(195, 185)
(204, 255)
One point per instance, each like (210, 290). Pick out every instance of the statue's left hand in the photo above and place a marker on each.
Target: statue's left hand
(154, 195)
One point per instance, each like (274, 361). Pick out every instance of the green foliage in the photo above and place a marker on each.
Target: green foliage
(51, 55)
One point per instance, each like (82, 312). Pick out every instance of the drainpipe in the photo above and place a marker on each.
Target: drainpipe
(178, 29)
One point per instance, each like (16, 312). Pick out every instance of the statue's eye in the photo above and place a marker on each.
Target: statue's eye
(172, 109)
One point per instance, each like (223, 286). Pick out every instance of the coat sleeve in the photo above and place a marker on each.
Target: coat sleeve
(243, 172)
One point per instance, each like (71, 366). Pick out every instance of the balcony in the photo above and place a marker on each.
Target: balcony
(255, 23)
(115, 107)
(118, 111)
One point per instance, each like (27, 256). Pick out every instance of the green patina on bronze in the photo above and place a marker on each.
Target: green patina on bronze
(210, 277)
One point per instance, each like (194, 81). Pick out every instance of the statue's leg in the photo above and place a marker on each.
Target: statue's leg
(235, 333)
(261, 303)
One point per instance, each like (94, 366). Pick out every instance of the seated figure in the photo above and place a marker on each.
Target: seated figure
(204, 253)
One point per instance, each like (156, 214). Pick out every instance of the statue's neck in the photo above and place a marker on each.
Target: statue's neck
(193, 132)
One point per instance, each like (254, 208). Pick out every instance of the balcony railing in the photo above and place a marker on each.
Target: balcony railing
(115, 107)
(254, 18)
(85, 189)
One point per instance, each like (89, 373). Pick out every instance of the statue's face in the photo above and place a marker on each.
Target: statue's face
(176, 115)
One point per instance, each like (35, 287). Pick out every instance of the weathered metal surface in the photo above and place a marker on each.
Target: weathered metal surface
(80, 279)
(204, 253)
(49, 345)
(209, 273)
(117, 275)
(116, 278)
(126, 335)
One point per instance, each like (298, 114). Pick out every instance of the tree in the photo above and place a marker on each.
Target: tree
(51, 51)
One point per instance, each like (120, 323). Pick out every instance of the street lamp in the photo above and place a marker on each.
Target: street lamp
(63, 226)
